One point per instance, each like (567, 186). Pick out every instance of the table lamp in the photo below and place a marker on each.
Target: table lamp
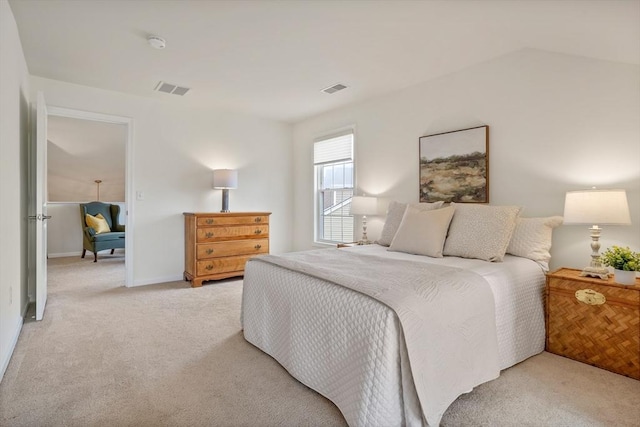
(596, 207)
(225, 179)
(363, 205)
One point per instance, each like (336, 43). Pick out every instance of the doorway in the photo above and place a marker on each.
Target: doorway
(89, 159)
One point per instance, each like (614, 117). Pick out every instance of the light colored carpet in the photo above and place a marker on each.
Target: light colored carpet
(170, 355)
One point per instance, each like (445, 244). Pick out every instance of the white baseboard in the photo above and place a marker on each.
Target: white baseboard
(157, 280)
(65, 254)
(6, 358)
(79, 253)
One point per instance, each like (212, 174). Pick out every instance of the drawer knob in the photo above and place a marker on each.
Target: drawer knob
(209, 221)
(258, 219)
(257, 246)
(209, 267)
(209, 251)
(258, 231)
(590, 297)
(208, 234)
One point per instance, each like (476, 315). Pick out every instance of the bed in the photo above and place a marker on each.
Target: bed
(331, 318)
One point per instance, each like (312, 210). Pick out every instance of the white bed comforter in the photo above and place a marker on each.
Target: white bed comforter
(446, 316)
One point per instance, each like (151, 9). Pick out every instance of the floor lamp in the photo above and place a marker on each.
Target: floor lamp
(98, 182)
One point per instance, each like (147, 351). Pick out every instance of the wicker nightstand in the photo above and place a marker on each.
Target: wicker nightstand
(594, 321)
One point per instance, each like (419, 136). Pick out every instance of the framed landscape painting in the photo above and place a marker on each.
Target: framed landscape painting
(454, 166)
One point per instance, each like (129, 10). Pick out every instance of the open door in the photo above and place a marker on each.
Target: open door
(39, 216)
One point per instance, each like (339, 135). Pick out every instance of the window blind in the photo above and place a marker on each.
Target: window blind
(333, 149)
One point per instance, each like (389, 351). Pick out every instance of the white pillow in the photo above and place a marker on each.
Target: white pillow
(395, 212)
(422, 232)
(481, 231)
(532, 239)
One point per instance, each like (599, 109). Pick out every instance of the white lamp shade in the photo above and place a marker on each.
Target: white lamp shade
(361, 205)
(597, 207)
(225, 178)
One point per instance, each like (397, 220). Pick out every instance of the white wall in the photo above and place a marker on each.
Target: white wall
(13, 187)
(174, 150)
(557, 123)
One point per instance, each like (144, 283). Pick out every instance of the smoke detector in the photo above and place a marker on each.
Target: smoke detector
(157, 42)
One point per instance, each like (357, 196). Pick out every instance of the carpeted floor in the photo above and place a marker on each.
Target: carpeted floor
(170, 355)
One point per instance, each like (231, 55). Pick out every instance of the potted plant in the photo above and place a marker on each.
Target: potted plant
(624, 262)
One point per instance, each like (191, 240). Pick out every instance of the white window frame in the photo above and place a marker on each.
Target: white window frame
(324, 160)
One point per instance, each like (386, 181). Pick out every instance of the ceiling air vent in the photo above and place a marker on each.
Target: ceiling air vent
(334, 88)
(173, 89)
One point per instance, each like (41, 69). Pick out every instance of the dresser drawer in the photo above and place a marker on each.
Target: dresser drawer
(239, 220)
(233, 247)
(231, 232)
(221, 265)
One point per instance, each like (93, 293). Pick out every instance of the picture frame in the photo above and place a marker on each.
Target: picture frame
(454, 166)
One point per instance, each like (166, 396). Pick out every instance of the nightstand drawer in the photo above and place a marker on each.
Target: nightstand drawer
(594, 321)
(619, 296)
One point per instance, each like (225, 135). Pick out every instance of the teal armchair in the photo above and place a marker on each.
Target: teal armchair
(99, 242)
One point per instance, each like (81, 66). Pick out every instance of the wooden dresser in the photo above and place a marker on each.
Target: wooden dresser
(594, 321)
(218, 245)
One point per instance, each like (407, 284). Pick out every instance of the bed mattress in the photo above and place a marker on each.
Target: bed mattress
(349, 347)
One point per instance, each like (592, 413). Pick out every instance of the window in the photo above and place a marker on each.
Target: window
(333, 161)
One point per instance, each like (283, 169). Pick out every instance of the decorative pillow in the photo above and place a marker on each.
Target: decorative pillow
(532, 239)
(422, 232)
(480, 231)
(394, 218)
(98, 223)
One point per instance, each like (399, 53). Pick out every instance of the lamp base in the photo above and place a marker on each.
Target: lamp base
(601, 272)
(225, 200)
(595, 269)
(364, 240)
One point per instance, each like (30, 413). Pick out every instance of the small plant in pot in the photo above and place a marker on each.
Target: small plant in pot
(624, 262)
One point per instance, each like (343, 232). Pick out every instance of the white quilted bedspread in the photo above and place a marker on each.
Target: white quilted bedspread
(444, 322)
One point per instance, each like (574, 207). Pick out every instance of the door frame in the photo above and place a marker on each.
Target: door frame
(128, 174)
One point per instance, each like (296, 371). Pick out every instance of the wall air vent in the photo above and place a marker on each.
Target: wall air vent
(173, 89)
(334, 88)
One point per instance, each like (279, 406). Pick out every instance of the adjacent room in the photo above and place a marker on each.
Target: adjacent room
(321, 213)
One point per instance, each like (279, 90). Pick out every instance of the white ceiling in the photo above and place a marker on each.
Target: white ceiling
(272, 58)
(81, 151)
(88, 140)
